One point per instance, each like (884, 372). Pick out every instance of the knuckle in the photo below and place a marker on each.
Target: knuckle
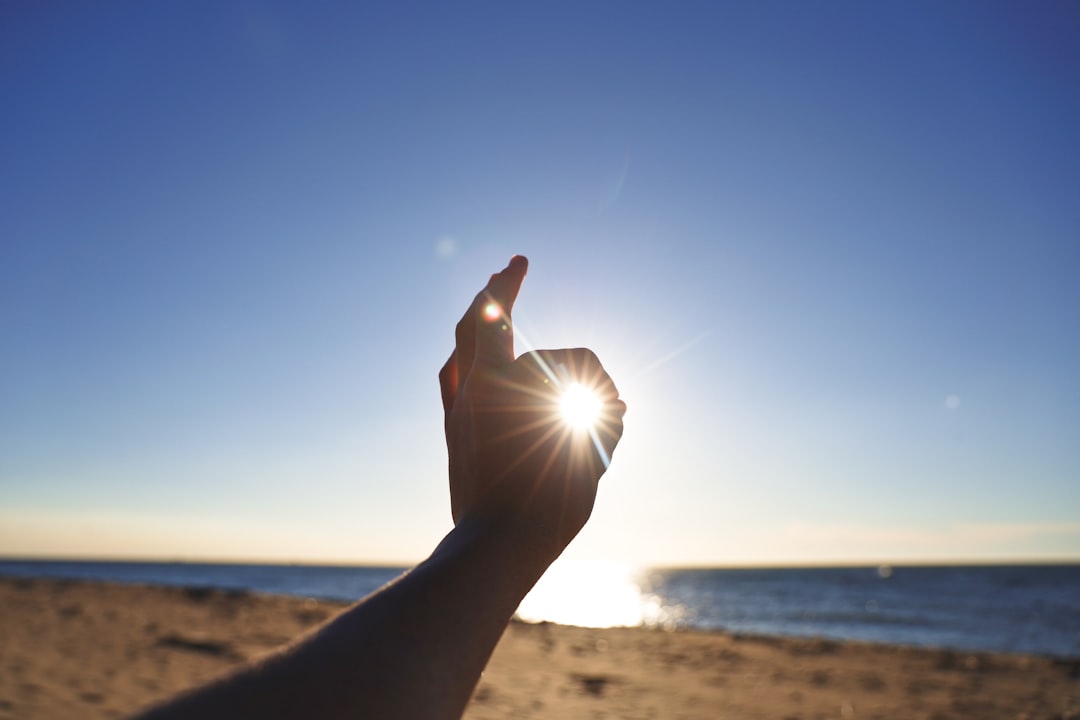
(586, 355)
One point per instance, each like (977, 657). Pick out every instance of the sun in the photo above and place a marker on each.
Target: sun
(579, 406)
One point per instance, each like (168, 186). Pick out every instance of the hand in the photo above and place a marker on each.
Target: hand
(513, 458)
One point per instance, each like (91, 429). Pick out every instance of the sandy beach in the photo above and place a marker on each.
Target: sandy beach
(97, 650)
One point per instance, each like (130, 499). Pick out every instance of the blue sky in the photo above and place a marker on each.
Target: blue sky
(827, 251)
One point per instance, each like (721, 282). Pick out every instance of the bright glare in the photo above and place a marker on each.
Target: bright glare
(579, 406)
(590, 594)
(492, 312)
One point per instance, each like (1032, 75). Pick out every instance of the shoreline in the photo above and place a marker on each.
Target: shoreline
(79, 648)
(683, 599)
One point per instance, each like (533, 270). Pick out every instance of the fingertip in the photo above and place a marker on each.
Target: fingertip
(515, 270)
(507, 283)
(517, 266)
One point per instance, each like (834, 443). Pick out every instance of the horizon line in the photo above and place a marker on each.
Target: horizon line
(389, 564)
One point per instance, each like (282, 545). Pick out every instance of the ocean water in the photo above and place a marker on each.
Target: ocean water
(1025, 608)
(328, 582)
(1022, 608)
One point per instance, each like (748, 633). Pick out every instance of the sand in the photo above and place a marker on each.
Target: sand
(99, 650)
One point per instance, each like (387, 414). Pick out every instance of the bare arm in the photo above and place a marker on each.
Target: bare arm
(522, 485)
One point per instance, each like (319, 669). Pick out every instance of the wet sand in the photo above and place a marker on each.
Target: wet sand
(98, 650)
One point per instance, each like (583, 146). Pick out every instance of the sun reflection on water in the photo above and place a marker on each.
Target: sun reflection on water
(591, 594)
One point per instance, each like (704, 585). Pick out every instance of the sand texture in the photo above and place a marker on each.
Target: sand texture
(97, 650)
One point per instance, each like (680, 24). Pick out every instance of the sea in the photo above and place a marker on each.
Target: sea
(1008, 608)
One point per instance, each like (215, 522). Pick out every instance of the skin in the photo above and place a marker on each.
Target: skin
(522, 485)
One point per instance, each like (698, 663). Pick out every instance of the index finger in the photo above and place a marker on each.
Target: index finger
(494, 329)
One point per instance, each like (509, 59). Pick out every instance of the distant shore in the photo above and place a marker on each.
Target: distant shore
(100, 650)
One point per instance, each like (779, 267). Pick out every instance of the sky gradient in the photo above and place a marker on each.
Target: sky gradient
(828, 252)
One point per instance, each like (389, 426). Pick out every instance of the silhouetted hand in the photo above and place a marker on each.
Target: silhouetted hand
(514, 459)
(522, 484)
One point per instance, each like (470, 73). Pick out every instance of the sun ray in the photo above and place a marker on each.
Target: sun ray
(535, 446)
(669, 356)
(600, 450)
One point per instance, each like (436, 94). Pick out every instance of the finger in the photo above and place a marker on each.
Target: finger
(584, 367)
(609, 427)
(580, 365)
(553, 371)
(448, 382)
(465, 345)
(465, 332)
(465, 336)
(494, 329)
(592, 375)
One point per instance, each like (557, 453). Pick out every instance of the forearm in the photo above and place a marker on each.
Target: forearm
(418, 647)
(415, 649)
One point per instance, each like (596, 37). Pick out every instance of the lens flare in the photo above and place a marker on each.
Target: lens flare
(492, 312)
(579, 406)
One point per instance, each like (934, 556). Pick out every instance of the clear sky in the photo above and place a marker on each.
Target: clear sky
(829, 251)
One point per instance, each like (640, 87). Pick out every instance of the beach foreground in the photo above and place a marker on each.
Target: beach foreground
(98, 650)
